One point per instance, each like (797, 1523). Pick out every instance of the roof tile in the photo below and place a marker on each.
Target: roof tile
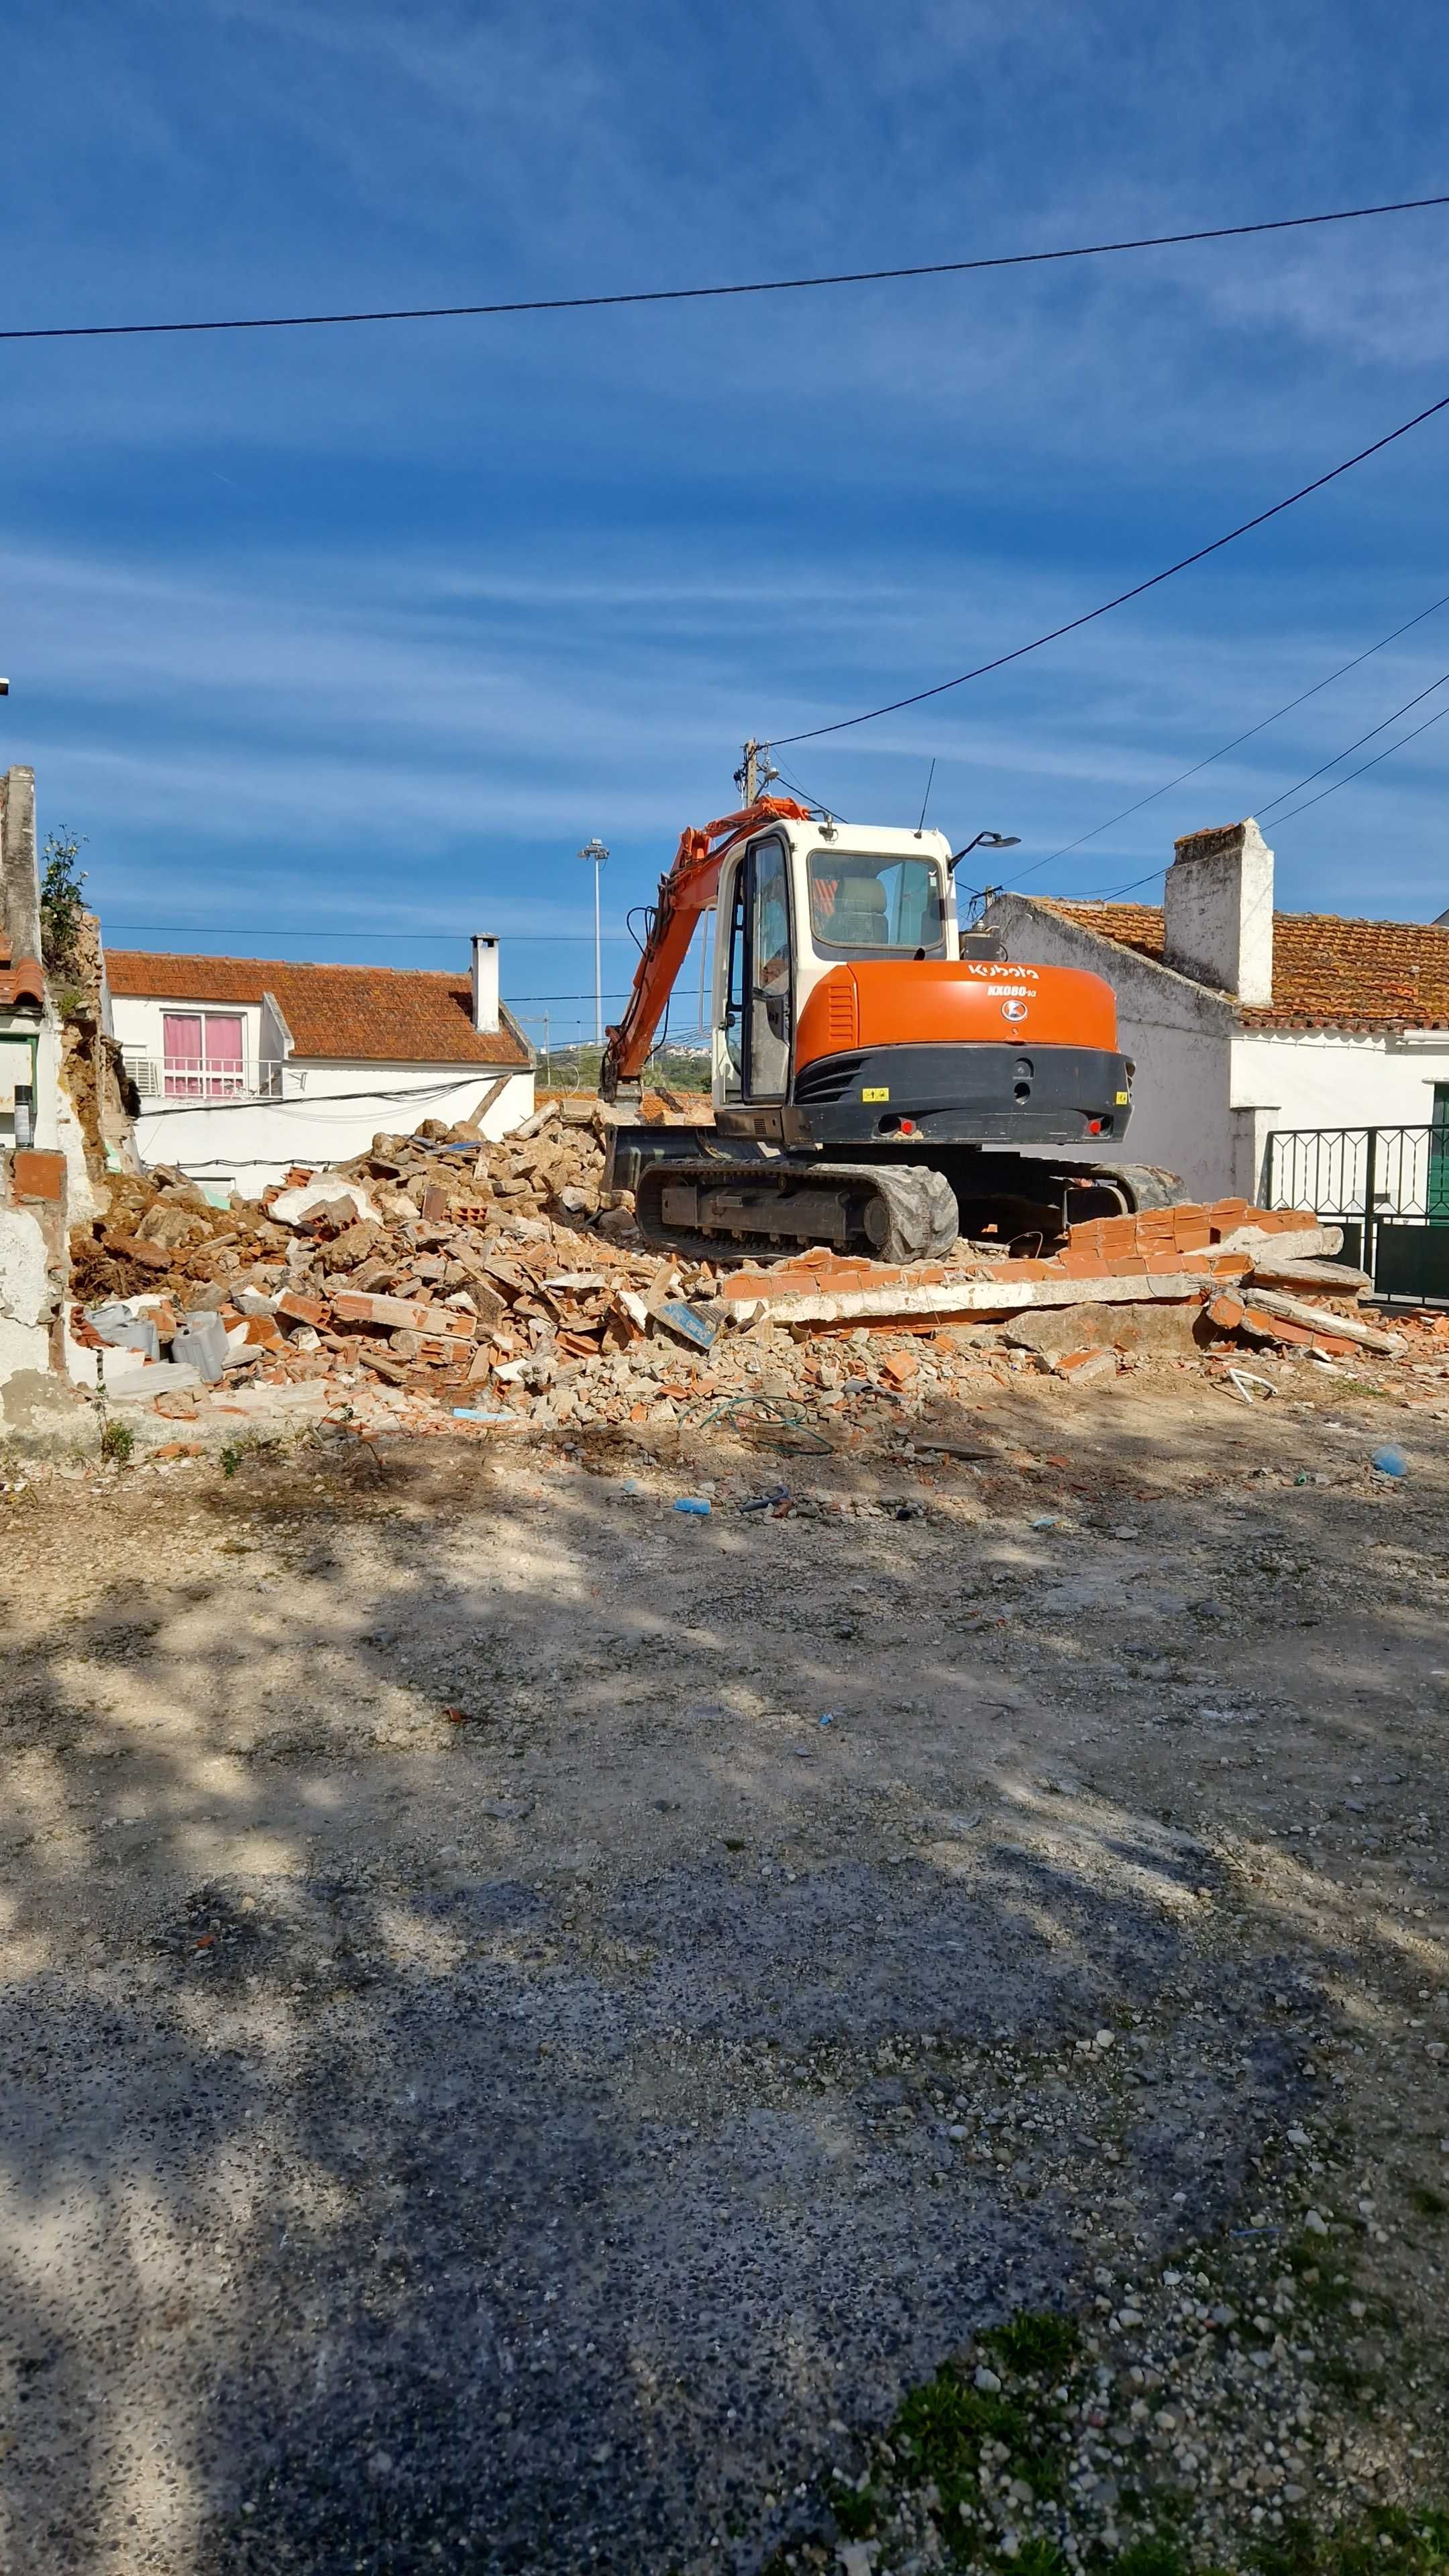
(1328, 972)
(366, 1014)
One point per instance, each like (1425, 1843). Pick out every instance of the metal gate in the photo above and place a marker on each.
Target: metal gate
(1388, 1187)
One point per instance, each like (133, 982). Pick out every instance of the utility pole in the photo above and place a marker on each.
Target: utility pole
(596, 854)
(547, 1066)
(756, 770)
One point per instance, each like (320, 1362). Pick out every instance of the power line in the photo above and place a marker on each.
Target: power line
(1108, 894)
(1411, 736)
(229, 930)
(701, 294)
(893, 706)
(1349, 748)
(1221, 754)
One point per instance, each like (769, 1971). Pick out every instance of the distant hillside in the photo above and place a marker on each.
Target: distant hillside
(671, 1068)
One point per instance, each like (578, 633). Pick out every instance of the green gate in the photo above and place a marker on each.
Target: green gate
(1388, 1187)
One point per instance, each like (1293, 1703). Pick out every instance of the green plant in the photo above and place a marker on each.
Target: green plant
(1151, 2558)
(231, 1458)
(854, 2510)
(117, 1442)
(62, 906)
(1042, 2343)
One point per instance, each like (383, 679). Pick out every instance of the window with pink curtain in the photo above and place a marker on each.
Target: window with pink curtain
(203, 1057)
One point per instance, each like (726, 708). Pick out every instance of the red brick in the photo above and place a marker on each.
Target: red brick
(34, 1175)
(388, 1314)
(1275, 1327)
(1085, 1365)
(302, 1310)
(900, 1367)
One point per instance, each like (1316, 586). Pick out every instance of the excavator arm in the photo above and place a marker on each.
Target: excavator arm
(689, 888)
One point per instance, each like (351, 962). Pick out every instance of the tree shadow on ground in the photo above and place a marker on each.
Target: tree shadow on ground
(398, 2177)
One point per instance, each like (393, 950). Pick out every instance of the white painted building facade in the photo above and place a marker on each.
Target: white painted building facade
(246, 1067)
(1245, 1023)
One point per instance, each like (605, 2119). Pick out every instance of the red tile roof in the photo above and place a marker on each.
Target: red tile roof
(1328, 972)
(368, 1014)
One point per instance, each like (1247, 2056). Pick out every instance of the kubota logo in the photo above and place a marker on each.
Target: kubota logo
(1013, 1010)
(1023, 974)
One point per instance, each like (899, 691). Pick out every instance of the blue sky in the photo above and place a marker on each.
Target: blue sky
(325, 640)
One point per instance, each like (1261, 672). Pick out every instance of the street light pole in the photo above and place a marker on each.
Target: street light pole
(596, 854)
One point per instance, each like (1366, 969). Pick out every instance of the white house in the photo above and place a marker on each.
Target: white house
(247, 1065)
(1245, 1022)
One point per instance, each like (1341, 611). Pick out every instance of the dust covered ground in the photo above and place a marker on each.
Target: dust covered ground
(494, 2079)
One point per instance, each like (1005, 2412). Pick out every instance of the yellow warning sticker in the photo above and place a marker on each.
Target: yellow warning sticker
(1122, 1099)
(875, 1095)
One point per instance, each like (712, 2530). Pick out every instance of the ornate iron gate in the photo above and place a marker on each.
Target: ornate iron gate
(1388, 1187)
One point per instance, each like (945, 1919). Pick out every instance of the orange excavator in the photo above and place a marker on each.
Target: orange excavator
(882, 1081)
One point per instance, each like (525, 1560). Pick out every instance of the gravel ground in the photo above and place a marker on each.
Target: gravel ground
(492, 2078)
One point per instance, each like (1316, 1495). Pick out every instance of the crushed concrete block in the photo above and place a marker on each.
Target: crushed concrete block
(1271, 1269)
(1294, 1310)
(122, 1329)
(201, 1343)
(293, 1207)
(130, 1384)
(1051, 1330)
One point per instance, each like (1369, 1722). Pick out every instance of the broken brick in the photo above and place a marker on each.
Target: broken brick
(302, 1310)
(1080, 1367)
(388, 1314)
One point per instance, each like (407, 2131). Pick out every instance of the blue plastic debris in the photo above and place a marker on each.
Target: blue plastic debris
(695, 1505)
(472, 1413)
(1390, 1462)
(830, 1717)
(683, 1320)
(1049, 1520)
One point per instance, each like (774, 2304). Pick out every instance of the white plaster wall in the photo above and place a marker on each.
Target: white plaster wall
(328, 1113)
(25, 1295)
(138, 1022)
(1179, 1037)
(1323, 1078)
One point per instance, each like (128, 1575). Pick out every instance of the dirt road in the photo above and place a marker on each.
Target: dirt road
(533, 2021)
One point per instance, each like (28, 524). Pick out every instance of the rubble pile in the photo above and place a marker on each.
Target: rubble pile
(439, 1281)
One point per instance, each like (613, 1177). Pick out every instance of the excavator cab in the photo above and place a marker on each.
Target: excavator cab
(796, 901)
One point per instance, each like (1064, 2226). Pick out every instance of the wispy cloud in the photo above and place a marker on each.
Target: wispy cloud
(392, 620)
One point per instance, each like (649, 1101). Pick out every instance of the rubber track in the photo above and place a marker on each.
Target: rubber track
(921, 1205)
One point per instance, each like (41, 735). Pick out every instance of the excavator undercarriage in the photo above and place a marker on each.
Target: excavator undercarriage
(730, 1200)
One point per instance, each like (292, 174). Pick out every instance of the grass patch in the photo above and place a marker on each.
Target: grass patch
(941, 2427)
(855, 2511)
(1388, 2539)
(1151, 2558)
(117, 1442)
(1046, 2344)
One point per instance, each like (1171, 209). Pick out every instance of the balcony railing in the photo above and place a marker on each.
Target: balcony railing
(162, 1077)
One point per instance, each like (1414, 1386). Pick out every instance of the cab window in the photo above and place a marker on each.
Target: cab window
(875, 907)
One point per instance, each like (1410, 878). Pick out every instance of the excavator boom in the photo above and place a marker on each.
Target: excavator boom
(685, 891)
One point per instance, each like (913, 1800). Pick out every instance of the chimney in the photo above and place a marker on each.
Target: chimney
(485, 986)
(1218, 911)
